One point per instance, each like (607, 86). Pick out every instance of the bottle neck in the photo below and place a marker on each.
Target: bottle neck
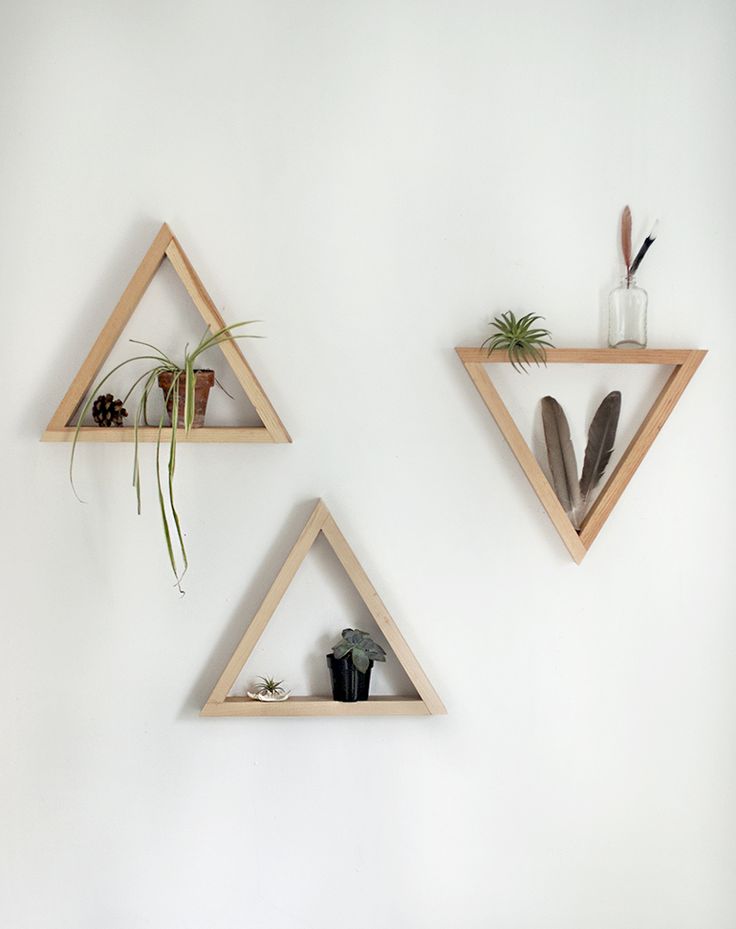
(628, 281)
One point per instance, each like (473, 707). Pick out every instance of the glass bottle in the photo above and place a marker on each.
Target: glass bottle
(627, 315)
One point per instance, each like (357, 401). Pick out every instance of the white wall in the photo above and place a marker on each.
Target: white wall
(373, 180)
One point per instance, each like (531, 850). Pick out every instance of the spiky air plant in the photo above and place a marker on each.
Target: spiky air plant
(268, 690)
(523, 343)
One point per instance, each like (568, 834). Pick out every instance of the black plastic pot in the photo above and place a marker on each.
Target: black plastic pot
(348, 683)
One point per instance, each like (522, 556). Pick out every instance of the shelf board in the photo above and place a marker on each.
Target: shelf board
(203, 434)
(318, 706)
(426, 701)
(607, 356)
(164, 247)
(684, 361)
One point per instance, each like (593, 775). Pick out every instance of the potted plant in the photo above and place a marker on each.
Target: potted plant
(186, 390)
(351, 663)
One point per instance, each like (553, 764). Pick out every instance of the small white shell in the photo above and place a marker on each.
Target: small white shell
(270, 698)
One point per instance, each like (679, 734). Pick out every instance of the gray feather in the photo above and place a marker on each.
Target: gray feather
(561, 457)
(601, 437)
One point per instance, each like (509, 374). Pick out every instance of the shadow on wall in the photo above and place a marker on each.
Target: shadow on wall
(250, 601)
(351, 610)
(85, 322)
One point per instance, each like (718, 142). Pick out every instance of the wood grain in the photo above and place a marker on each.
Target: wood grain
(220, 704)
(205, 434)
(318, 706)
(639, 446)
(378, 611)
(590, 356)
(272, 599)
(529, 464)
(685, 362)
(111, 331)
(165, 245)
(231, 350)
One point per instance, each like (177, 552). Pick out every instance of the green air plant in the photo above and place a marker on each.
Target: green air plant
(361, 648)
(269, 687)
(184, 374)
(517, 337)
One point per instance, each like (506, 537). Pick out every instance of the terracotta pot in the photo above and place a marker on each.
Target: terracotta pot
(204, 380)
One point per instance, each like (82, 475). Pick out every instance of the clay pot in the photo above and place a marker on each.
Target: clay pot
(204, 380)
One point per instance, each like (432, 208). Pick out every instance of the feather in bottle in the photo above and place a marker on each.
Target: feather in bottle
(561, 457)
(645, 246)
(626, 239)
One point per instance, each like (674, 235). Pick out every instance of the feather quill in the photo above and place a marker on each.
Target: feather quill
(561, 457)
(626, 237)
(601, 438)
(645, 246)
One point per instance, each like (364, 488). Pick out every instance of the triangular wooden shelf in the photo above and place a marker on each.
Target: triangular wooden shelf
(578, 542)
(426, 703)
(165, 245)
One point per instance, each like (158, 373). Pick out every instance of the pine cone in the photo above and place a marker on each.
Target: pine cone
(107, 411)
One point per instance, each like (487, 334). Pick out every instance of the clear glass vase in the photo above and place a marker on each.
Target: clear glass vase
(627, 316)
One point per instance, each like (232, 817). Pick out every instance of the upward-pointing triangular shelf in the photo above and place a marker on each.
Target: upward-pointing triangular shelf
(578, 542)
(165, 245)
(426, 703)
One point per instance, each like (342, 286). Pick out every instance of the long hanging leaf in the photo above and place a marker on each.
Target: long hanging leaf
(141, 411)
(136, 461)
(85, 409)
(172, 469)
(561, 457)
(162, 507)
(189, 384)
(161, 501)
(601, 437)
(163, 363)
(626, 237)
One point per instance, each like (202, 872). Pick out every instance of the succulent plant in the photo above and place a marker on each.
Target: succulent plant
(361, 648)
(517, 337)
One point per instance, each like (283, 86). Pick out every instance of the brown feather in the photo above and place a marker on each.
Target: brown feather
(561, 457)
(601, 436)
(626, 236)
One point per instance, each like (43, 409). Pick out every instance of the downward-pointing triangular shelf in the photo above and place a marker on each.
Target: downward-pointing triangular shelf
(578, 542)
(426, 703)
(165, 245)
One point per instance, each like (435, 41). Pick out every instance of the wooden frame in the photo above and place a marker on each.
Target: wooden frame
(578, 542)
(165, 245)
(426, 703)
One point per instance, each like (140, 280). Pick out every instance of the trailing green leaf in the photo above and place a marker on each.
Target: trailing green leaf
(162, 508)
(162, 364)
(172, 469)
(85, 409)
